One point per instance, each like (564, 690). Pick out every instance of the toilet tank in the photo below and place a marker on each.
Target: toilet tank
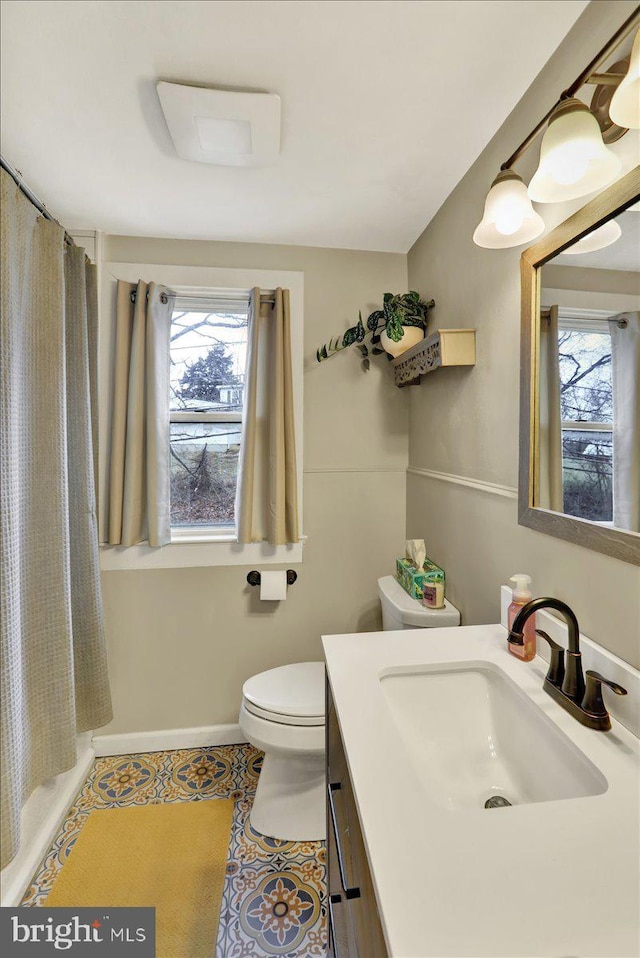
(400, 611)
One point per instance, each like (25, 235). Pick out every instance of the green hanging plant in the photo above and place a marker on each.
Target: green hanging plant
(403, 309)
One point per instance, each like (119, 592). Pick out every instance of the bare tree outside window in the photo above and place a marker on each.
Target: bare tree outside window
(207, 356)
(586, 405)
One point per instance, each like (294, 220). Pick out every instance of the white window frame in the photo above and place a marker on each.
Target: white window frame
(200, 547)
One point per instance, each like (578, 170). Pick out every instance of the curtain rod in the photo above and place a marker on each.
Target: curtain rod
(607, 49)
(266, 296)
(16, 176)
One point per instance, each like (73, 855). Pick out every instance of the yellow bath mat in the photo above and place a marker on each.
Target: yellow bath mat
(170, 856)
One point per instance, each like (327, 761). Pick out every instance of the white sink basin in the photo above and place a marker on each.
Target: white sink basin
(472, 734)
(433, 722)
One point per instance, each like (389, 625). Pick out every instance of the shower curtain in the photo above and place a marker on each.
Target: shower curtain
(54, 680)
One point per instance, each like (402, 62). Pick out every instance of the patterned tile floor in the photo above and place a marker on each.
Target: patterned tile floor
(274, 894)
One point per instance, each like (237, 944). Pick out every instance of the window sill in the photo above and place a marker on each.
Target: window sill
(189, 552)
(181, 534)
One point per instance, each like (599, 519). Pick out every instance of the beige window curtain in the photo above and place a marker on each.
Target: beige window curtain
(550, 424)
(54, 680)
(625, 366)
(267, 495)
(139, 494)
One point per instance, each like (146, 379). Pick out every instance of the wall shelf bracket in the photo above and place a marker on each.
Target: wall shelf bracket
(445, 347)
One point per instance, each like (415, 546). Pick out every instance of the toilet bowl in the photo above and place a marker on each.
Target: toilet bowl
(400, 611)
(282, 713)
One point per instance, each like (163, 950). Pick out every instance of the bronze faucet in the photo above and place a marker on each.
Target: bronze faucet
(567, 686)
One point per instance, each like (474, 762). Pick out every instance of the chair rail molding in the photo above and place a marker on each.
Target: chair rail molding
(494, 488)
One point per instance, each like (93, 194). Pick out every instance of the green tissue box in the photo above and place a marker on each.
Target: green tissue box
(413, 581)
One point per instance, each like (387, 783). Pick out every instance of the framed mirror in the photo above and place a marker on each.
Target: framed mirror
(580, 377)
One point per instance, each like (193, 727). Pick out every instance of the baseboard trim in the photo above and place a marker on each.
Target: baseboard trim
(59, 795)
(42, 817)
(165, 739)
(509, 492)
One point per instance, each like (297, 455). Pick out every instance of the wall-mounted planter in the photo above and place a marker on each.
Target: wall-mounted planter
(445, 347)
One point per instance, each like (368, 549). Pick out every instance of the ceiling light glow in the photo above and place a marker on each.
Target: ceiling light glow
(625, 103)
(574, 161)
(604, 236)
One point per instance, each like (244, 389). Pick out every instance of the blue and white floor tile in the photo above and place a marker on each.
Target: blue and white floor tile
(273, 901)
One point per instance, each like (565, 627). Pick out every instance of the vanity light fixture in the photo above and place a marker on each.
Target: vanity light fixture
(574, 160)
(605, 235)
(509, 218)
(625, 103)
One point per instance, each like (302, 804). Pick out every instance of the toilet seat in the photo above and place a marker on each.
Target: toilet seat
(289, 694)
(280, 717)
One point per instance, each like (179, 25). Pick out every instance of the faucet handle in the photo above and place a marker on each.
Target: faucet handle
(592, 701)
(555, 675)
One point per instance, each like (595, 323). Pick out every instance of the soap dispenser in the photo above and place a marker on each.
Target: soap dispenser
(522, 595)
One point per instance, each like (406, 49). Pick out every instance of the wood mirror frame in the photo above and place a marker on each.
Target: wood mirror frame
(615, 542)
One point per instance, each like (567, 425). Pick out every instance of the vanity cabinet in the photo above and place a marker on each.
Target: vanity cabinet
(354, 923)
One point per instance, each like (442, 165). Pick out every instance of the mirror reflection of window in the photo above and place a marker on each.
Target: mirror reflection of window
(589, 415)
(564, 278)
(586, 413)
(588, 462)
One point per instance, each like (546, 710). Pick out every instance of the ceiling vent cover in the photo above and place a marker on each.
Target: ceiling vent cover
(222, 127)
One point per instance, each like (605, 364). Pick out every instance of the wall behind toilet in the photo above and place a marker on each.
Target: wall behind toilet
(182, 641)
(463, 433)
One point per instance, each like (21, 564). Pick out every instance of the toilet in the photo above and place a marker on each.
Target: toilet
(400, 611)
(282, 713)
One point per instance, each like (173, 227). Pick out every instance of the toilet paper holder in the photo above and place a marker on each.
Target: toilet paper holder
(253, 577)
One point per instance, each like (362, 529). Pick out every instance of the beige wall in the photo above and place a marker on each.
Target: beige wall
(617, 281)
(465, 422)
(182, 641)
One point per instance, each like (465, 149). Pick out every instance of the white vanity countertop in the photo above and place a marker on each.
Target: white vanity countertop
(558, 878)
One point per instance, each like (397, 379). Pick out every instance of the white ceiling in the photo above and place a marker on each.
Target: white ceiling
(385, 105)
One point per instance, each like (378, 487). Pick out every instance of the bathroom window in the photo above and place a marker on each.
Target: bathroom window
(208, 350)
(586, 408)
(212, 308)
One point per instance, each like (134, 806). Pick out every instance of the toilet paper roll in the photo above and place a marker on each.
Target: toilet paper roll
(273, 585)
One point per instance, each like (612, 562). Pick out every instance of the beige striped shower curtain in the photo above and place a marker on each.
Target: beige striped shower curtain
(53, 656)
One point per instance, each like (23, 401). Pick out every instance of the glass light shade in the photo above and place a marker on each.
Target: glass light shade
(624, 109)
(604, 236)
(509, 218)
(573, 159)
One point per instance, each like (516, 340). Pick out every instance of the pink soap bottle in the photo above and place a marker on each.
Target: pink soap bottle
(522, 595)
